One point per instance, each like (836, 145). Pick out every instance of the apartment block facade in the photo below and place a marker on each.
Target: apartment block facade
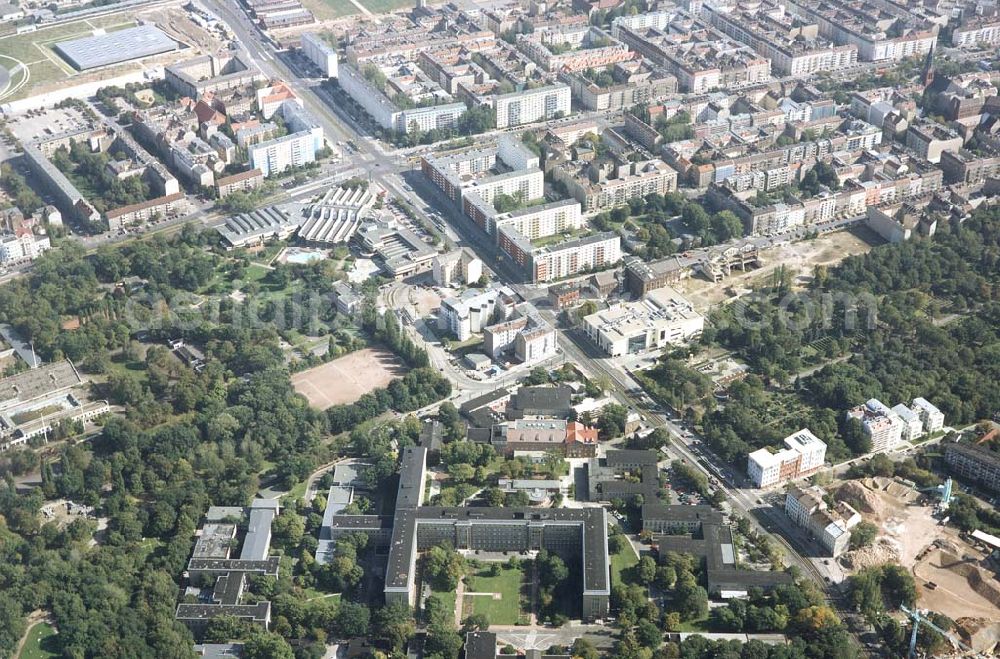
(804, 453)
(529, 106)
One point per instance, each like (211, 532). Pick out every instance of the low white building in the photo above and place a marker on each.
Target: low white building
(931, 416)
(663, 317)
(803, 455)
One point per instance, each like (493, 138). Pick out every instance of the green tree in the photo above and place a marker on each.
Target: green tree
(863, 534)
(263, 645)
(443, 567)
(351, 620)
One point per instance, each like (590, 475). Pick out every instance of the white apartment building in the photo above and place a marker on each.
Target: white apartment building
(807, 508)
(19, 248)
(535, 344)
(275, 156)
(654, 19)
(913, 427)
(512, 152)
(971, 35)
(810, 447)
(541, 221)
(617, 183)
(866, 29)
(788, 55)
(519, 108)
(663, 317)
(807, 63)
(880, 424)
(803, 455)
(526, 184)
(456, 266)
(429, 118)
(575, 256)
(320, 53)
(931, 416)
(528, 337)
(385, 113)
(469, 313)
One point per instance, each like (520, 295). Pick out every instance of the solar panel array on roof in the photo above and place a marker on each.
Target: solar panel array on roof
(115, 47)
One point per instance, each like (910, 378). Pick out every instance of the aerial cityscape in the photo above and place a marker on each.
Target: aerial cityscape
(554, 329)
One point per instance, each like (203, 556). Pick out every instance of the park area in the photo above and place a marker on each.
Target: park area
(346, 379)
(40, 642)
(503, 594)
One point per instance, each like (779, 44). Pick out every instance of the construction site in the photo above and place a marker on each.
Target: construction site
(955, 575)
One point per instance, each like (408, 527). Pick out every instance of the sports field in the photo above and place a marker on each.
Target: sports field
(346, 379)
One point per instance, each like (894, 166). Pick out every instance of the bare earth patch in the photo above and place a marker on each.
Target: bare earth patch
(952, 576)
(799, 258)
(346, 379)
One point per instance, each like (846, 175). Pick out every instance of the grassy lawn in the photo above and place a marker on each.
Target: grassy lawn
(503, 611)
(622, 561)
(447, 597)
(296, 492)
(696, 625)
(253, 272)
(42, 643)
(385, 6)
(327, 10)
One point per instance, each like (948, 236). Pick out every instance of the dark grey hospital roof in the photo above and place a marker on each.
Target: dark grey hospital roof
(115, 47)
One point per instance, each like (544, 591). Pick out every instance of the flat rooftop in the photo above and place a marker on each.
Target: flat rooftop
(115, 47)
(37, 383)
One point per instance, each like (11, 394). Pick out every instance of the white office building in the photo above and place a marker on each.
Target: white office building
(320, 53)
(931, 416)
(519, 108)
(803, 455)
(663, 317)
